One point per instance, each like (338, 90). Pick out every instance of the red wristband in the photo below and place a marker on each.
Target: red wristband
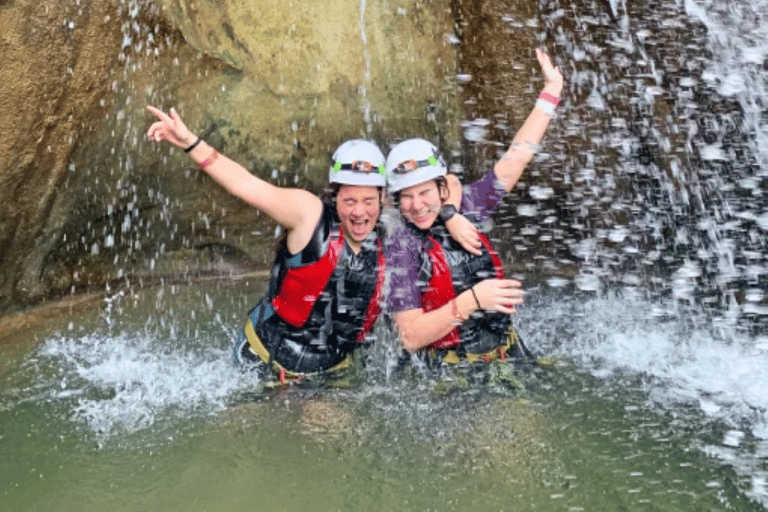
(549, 98)
(208, 161)
(455, 312)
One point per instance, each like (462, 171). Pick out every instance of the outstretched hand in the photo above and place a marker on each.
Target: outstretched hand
(553, 79)
(170, 128)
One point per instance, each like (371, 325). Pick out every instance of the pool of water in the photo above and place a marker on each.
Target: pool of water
(136, 405)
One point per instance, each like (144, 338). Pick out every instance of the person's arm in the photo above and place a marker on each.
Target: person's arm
(459, 227)
(418, 328)
(295, 209)
(528, 137)
(454, 190)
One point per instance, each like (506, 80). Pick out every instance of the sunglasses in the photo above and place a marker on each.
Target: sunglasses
(358, 166)
(411, 165)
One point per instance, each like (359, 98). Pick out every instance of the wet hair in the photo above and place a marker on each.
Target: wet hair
(329, 194)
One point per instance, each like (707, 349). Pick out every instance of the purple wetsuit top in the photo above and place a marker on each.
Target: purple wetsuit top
(479, 199)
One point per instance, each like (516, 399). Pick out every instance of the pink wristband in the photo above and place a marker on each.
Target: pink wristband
(208, 161)
(549, 98)
(456, 314)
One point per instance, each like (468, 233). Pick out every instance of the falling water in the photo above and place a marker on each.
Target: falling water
(658, 167)
(656, 172)
(367, 71)
(650, 186)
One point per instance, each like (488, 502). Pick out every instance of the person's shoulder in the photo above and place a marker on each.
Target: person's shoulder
(402, 247)
(395, 227)
(401, 239)
(488, 180)
(408, 237)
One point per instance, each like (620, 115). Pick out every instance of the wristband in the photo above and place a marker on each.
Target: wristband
(208, 161)
(447, 211)
(548, 97)
(455, 312)
(193, 146)
(472, 289)
(546, 106)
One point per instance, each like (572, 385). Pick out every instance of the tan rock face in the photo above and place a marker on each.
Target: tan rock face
(275, 85)
(314, 71)
(55, 57)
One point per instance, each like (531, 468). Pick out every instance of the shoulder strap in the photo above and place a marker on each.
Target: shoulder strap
(374, 306)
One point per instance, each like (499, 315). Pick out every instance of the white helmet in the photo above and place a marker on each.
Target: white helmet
(358, 162)
(411, 162)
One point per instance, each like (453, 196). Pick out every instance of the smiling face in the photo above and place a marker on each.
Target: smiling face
(420, 204)
(358, 208)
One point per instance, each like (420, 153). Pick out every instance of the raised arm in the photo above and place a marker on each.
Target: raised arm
(460, 228)
(295, 209)
(528, 137)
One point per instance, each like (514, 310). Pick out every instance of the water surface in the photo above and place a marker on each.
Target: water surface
(140, 407)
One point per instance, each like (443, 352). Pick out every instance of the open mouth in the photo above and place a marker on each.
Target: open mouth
(359, 227)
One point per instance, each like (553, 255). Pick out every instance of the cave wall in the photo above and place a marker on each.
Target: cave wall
(87, 202)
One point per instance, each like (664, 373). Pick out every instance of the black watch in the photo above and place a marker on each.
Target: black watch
(446, 212)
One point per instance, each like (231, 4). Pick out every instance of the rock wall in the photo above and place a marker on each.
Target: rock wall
(85, 201)
(55, 58)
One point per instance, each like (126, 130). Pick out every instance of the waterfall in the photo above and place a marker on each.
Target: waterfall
(659, 161)
(366, 72)
(661, 157)
(644, 213)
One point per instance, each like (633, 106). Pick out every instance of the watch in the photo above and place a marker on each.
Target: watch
(446, 212)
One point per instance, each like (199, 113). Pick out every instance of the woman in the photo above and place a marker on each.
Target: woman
(324, 292)
(454, 303)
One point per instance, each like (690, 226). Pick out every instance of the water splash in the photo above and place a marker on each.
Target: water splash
(129, 382)
(679, 358)
(684, 365)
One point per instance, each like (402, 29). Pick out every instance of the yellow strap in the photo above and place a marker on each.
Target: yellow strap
(452, 357)
(258, 348)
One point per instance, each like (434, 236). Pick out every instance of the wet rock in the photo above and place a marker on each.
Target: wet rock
(55, 58)
(87, 201)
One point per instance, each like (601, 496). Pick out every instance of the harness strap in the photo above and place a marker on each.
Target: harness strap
(500, 352)
(374, 306)
(494, 257)
(257, 347)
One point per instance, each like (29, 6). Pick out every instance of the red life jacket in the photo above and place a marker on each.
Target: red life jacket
(440, 289)
(302, 286)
